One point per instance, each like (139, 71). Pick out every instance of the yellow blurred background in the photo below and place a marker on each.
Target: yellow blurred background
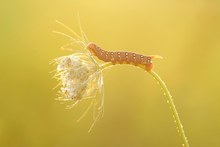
(185, 33)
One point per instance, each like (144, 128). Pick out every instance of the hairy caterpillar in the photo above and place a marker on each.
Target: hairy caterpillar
(139, 60)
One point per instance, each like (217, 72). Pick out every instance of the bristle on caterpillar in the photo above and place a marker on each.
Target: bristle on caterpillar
(142, 61)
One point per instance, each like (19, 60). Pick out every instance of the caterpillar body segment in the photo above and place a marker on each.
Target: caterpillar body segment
(139, 60)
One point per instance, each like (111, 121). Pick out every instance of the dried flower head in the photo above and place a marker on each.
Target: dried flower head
(79, 75)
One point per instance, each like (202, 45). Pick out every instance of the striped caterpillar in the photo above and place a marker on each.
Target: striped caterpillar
(139, 60)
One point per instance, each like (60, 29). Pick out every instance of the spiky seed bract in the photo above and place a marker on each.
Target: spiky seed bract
(79, 75)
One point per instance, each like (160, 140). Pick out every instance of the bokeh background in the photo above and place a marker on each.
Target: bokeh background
(185, 33)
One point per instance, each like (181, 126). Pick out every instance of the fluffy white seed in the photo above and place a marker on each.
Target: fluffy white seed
(79, 76)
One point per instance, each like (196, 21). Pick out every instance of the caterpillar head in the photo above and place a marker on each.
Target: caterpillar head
(92, 47)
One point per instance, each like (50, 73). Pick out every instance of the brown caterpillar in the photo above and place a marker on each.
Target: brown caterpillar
(142, 61)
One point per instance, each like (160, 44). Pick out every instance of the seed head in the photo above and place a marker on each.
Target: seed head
(79, 76)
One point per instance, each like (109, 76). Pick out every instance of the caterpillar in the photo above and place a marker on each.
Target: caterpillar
(139, 60)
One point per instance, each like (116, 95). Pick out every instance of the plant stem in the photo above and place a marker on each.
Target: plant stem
(105, 65)
(172, 107)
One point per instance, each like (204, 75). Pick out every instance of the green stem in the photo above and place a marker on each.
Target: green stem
(169, 99)
(105, 65)
(172, 107)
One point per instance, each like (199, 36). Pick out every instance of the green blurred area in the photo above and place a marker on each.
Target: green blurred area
(186, 34)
